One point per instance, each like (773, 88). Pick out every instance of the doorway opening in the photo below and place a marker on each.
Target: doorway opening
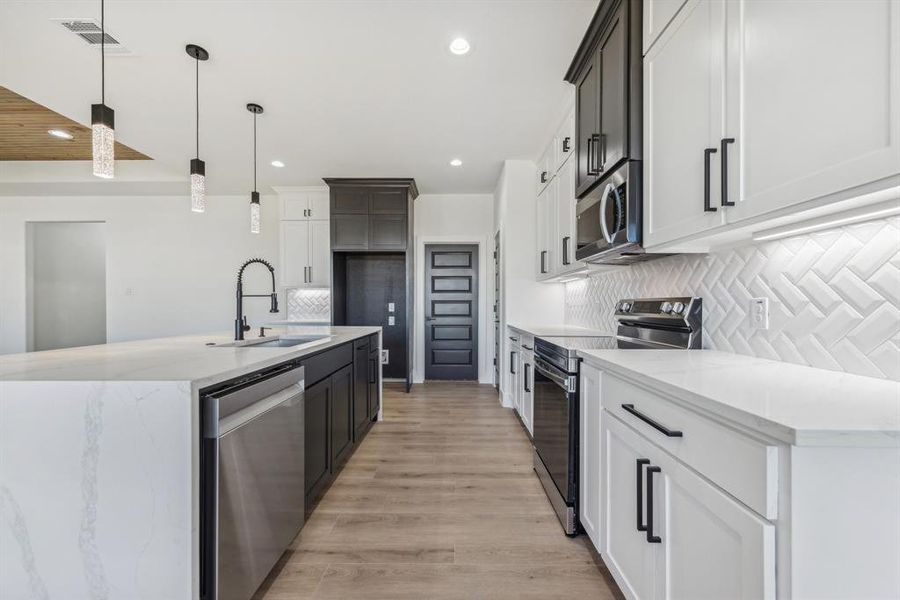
(451, 312)
(65, 266)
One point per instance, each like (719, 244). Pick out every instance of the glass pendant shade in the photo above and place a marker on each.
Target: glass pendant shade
(254, 212)
(198, 185)
(103, 140)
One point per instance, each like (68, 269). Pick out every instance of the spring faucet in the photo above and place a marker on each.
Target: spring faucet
(240, 323)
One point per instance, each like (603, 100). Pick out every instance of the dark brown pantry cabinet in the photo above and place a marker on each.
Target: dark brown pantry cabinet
(607, 83)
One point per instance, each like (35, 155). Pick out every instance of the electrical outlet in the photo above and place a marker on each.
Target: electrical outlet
(391, 320)
(390, 307)
(385, 357)
(129, 291)
(759, 313)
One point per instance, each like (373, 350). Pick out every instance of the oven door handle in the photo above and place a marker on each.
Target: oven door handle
(554, 374)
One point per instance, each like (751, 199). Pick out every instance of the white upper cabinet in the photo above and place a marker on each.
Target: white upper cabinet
(546, 225)
(795, 105)
(303, 205)
(813, 100)
(319, 274)
(294, 253)
(683, 79)
(657, 15)
(546, 166)
(566, 224)
(565, 140)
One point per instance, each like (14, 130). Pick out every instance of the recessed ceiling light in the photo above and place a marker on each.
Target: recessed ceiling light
(460, 46)
(277, 163)
(455, 162)
(63, 135)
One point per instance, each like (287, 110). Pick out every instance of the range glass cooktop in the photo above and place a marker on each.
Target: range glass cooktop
(570, 344)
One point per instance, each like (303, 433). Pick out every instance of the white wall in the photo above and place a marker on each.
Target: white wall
(169, 271)
(463, 219)
(66, 285)
(524, 301)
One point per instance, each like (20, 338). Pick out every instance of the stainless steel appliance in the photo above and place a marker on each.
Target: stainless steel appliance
(652, 323)
(252, 488)
(609, 219)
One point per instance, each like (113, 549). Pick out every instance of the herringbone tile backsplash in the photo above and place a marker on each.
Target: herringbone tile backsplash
(834, 297)
(308, 304)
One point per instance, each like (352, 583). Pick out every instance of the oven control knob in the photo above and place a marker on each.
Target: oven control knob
(678, 308)
(665, 307)
(626, 306)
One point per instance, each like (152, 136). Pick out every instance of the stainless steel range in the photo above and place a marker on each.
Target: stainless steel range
(648, 323)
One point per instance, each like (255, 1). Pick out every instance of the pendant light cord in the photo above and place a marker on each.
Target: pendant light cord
(254, 151)
(102, 53)
(197, 79)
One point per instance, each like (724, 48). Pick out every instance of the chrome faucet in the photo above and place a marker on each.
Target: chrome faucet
(240, 323)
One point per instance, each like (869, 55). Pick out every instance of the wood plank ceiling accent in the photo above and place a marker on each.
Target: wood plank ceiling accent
(23, 133)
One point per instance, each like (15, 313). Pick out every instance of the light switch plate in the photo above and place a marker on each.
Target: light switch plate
(390, 307)
(385, 356)
(391, 320)
(759, 313)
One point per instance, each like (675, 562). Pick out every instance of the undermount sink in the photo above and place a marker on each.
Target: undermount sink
(278, 342)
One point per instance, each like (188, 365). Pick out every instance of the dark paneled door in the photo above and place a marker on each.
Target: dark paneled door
(451, 312)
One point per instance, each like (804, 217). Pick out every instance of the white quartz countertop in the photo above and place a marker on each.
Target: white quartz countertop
(182, 358)
(802, 406)
(558, 331)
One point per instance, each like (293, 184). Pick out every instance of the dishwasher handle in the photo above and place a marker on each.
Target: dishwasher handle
(287, 397)
(226, 412)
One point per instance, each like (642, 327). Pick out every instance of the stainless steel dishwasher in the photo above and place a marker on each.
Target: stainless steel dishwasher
(251, 488)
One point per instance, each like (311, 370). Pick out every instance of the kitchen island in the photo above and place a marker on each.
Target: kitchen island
(100, 458)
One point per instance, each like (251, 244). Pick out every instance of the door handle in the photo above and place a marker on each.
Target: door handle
(707, 152)
(512, 363)
(527, 387)
(543, 261)
(724, 146)
(592, 155)
(651, 538)
(565, 250)
(310, 274)
(565, 146)
(543, 176)
(305, 275)
(639, 477)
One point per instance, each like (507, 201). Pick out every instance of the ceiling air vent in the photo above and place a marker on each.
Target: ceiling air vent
(89, 31)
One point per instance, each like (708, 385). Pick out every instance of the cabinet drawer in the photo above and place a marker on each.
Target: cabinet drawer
(324, 364)
(739, 464)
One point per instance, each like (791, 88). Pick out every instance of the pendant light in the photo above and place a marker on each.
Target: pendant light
(256, 109)
(198, 167)
(103, 118)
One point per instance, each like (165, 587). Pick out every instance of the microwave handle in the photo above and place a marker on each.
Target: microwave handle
(603, 201)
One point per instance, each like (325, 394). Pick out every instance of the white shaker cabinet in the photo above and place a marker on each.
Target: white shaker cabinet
(683, 79)
(302, 204)
(812, 100)
(526, 385)
(566, 225)
(319, 274)
(589, 468)
(305, 254)
(657, 14)
(546, 230)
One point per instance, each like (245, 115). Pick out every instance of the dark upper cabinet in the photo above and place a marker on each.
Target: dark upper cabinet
(388, 202)
(387, 232)
(606, 72)
(341, 416)
(349, 232)
(587, 108)
(317, 433)
(612, 57)
(361, 367)
(349, 201)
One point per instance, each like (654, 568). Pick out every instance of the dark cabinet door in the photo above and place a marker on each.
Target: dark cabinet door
(341, 416)
(373, 377)
(349, 232)
(387, 202)
(361, 368)
(316, 444)
(349, 201)
(613, 61)
(387, 232)
(587, 107)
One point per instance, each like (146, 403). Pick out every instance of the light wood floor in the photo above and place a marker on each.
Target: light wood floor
(439, 501)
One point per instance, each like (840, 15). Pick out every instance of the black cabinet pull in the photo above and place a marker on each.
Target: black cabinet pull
(373, 362)
(543, 261)
(566, 147)
(592, 155)
(655, 425)
(707, 152)
(527, 387)
(589, 170)
(565, 252)
(512, 363)
(639, 478)
(602, 153)
(543, 176)
(724, 146)
(653, 539)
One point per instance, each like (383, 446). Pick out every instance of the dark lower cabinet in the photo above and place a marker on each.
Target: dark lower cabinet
(341, 416)
(361, 370)
(374, 397)
(317, 433)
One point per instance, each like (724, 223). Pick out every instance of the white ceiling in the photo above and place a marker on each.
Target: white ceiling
(350, 89)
